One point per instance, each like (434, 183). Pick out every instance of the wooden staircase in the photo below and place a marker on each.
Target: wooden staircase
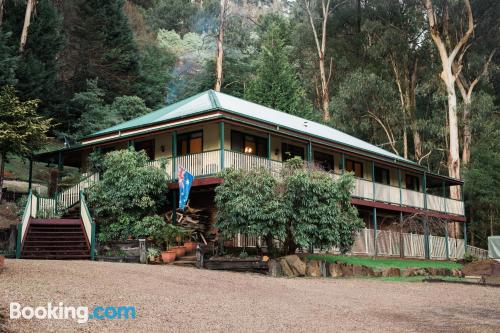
(55, 239)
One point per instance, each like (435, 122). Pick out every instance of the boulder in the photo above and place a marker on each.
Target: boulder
(421, 272)
(313, 269)
(285, 268)
(391, 271)
(347, 270)
(360, 270)
(408, 272)
(298, 266)
(274, 268)
(335, 270)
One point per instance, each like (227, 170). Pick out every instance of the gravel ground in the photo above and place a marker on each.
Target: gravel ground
(177, 299)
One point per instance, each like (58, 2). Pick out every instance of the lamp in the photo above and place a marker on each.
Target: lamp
(248, 150)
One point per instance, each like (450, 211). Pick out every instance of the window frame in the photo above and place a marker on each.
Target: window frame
(387, 180)
(347, 160)
(188, 135)
(263, 143)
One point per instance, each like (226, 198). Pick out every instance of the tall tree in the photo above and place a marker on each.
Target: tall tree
(276, 82)
(448, 55)
(325, 74)
(107, 48)
(22, 130)
(220, 45)
(30, 7)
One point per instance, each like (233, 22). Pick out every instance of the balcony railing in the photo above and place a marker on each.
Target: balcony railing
(210, 163)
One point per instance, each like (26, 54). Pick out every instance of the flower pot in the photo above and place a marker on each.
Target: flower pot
(190, 246)
(168, 256)
(180, 251)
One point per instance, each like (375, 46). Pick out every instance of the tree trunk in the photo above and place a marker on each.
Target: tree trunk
(325, 91)
(2, 171)
(27, 19)
(219, 44)
(1, 10)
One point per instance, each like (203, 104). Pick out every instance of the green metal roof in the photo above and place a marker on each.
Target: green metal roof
(211, 100)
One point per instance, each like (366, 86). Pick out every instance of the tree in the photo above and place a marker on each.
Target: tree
(219, 45)
(22, 130)
(324, 74)
(107, 49)
(448, 55)
(30, 7)
(301, 208)
(8, 60)
(128, 187)
(276, 84)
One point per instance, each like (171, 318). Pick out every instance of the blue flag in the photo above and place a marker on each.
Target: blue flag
(185, 181)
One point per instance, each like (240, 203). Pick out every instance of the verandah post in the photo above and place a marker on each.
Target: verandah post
(375, 230)
(269, 150)
(373, 179)
(401, 238)
(446, 241)
(426, 219)
(343, 163)
(174, 155)
(222, 139)
(465, 236)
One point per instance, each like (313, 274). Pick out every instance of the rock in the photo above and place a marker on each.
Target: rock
(312, 269)
(392, 271)
(274, 268)
(421, 272)
(285, 268)
(347, 270)
(362, 271)
(457, 273)
(408, 272)
(298, 266)
(335, 270)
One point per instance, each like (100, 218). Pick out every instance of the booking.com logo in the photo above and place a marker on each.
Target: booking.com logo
(81, 313)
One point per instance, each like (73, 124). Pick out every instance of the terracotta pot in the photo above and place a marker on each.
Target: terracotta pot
(168, 256)
(190, 246)
(180, 251)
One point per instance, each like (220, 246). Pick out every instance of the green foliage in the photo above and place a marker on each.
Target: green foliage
(301, 208)
(150, 226)
(22, 130)
(127, 192)
(108, 49)
(171, 15)
(97, 115)
(276, 83)
(8, 60)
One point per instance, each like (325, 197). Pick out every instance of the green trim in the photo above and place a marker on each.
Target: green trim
(373, 179)
(343, 163)
(309, 151)
(400, 188)
(375, 227)
(222, 141)
(92, 242)
(214, 99)
(174, 154)
(19, 240)
(446, 242)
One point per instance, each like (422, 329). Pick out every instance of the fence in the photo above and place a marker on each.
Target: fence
(388, 243)
(481, 254)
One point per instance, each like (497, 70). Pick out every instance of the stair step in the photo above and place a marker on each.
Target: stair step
(58, 256)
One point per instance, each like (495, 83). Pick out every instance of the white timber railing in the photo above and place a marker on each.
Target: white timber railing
(481, 254)
(88, 224)
(210, 162)
(388, 245)
(23, 226)
(71, 195)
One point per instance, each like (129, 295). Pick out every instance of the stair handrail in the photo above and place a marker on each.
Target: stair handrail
(88, 224)
(70, 196)
(23, 226)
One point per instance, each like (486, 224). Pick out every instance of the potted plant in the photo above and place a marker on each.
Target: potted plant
(178, 235)
(189, 243)
(169, 234)
(153, 254)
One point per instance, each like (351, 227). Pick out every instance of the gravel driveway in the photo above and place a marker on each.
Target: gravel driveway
(177, 299)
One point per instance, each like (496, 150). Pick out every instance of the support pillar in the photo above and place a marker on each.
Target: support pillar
(30, 176)
(309, 152)
(446, 241)
(174, 155)
(373, 179)
(465, 237)
(269, 156)
(342, 168)
(221, 136)
(375, 227)
(426, 219)
(401, 238)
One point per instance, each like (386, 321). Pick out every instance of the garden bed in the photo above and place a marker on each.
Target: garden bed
(236, 264)
(131, 259)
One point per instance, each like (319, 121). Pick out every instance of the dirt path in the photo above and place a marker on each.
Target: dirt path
(175, 299)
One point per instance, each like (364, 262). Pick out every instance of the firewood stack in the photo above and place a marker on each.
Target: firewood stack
(197, 221)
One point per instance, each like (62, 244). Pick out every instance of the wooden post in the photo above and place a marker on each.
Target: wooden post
(174, 155)
(309, 151)
(444, 196)
(373, 179)
(222, 139)
(342, 170)
(375, 230)
(465, 237)
(30, 176)
(446, 241)
(269, 156)
(143, 258)
(401, 238)
(426, 219)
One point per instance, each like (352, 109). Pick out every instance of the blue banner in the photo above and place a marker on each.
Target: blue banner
(185, 180)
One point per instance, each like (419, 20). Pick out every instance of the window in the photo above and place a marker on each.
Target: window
(356, 167)
(324, 160)
(190, 143)
(382, 176)
(248, 144)
(288, 151)
(148, 146)
(412, 182)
